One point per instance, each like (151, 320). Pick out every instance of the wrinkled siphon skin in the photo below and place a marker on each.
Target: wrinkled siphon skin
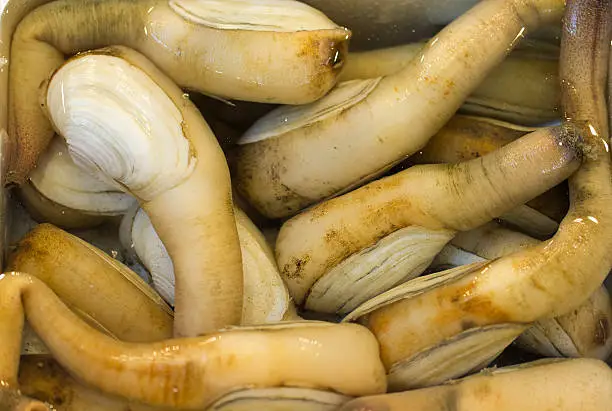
(466, 137)
(305, 63)
(556, 276)
(455, 197)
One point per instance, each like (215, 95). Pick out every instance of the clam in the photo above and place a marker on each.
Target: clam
(469, 349)
(61, 193)
(341, 252)
(567, 385)
(297, 156)
(124, 119)
(189, 373)
(266, 298)
(543, 281)
(94, 285)
(272, 51)
(583, 332)
(132, 136)
(523, 89)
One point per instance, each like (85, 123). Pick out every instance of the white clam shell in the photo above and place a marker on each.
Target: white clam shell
(262, 15)
(280, 399)
(60, 180)
(398, 257)
(288, 118)
(143, 148)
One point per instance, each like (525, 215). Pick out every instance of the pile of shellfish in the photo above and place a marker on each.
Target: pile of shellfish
(232, 205)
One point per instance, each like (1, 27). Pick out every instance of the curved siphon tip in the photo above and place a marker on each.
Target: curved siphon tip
(338, 54)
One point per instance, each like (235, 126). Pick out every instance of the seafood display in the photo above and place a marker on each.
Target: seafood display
(283, 205)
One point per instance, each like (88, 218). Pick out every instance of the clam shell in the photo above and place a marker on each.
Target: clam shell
(454, 256)
(280, 399)
(31, 344)
(266, 298)
(287, 118)
(398, 257)
(584, 332)
(263, 15)
(469, 351)
(531, 222)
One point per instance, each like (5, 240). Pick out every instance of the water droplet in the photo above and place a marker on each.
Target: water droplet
(114, 253)
(186, 96)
